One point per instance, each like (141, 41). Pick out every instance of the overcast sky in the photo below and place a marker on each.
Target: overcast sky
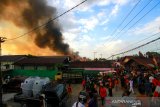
(89, 28)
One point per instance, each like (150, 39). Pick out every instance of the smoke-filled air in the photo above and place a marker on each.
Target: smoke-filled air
(28, 15)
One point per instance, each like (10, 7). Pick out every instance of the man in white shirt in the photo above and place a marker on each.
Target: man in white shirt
(131, 86)
(151, 78)
(82, 99)
(78, 104)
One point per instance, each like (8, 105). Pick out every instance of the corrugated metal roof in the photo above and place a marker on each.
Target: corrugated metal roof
(11, 58)
(41, 60)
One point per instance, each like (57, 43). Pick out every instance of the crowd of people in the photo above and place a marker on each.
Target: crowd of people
(147, 83)
(140, 84)
(95, 88)
(89, 94)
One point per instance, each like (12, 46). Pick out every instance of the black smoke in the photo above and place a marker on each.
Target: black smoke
(29, 14)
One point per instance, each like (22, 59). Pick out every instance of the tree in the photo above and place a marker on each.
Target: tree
(151, 54)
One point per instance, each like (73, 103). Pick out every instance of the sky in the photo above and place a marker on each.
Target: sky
(92, 27)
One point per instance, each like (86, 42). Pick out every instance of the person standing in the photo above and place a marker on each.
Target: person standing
(148, 87)
(79, 103)
(82, 100)
(92, 100)
(157, 84)
(126, 82)
(116, 82)
(122, 81)
(69, 90)
(83, 83)
(131, 85)
(103, 93)
(110, 87)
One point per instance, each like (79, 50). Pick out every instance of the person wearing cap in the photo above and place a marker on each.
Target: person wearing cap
(82, 100)
(78, 104)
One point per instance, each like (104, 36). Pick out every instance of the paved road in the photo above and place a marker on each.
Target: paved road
(76, 89)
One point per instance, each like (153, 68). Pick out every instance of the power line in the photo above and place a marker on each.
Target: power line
(47, 21)
(144, 15)
(140, 19)
(142, 40)
(135, 47)
(131, 20)
(125, 17)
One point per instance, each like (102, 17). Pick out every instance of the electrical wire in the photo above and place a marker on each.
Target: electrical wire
(125, 17)
(137, 21)
(36, 28)
(144, 15)
(131, 20)
(141, 40)
(136, 47)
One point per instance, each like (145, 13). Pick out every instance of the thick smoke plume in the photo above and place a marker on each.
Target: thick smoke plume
(29, 14)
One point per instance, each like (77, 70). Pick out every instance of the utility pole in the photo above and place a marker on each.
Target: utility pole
(2, 39)
(94, 54)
